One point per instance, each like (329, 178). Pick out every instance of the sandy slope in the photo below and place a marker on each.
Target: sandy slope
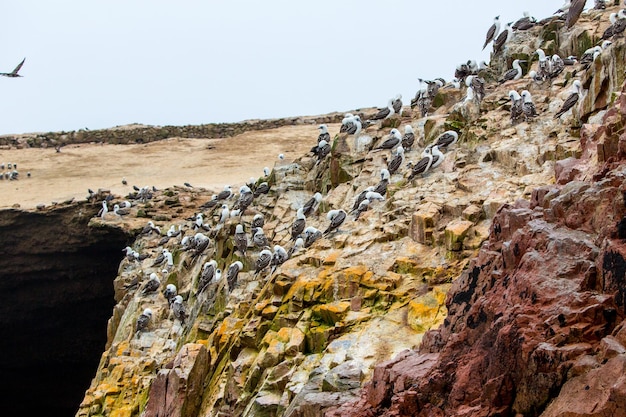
(209, 163)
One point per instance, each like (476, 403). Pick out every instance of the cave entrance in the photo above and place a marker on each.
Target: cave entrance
(56, 278)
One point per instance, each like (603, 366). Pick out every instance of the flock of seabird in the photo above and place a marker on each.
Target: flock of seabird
(228, 215)
(11, 173)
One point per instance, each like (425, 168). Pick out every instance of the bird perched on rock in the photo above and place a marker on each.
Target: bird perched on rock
(576, 94)
(394, 164)
(259, 239)
(516, 107)
(381, 187)
(514, 73)
(241, 240)
(170, 293)
(363, 206)
(336, 217)
(152, 285)
(543, 67)
(311, 205)
(262, 262)
(225, 194)
(361, 197)
(14, 73)
(438, 156)
(207, 274)
(323, 149)
(528, 107)
(232, 273)
(120, 211)
(258, 221)
(279, 257)
(503, 38)
(297, 227)
(180, 312)
(492, 32)
(408, 138)
(245, 198)
(311, 234)
(324, 135)
(524, 23)
(556, 66)
(447, 138)
(477, 84)
(397, 104)
(201, 243)
(385, 112)
(298, 244)
(394, 139)
(143, 320)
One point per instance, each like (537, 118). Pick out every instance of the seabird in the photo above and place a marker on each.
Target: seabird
(336, 217)
(124, 182)
(394, 164)
(266, 171)
(143, 320)
(152, 285)
(447, 138)
(297, 227)
(565, 7)
(422, 166)
(525, 22)
(201, 243)
(556, 66)
(346, 122)
(323, 149)
(589, 56)
(198, 222)
(224, 214)
(478, 86)
(147, 229)
(503, 38)
(437, 156)
(104, 209)
(576, 8)
(492, 33)
(207, 274)
(363, 206)
(241, 240)
(263, 188)
(258, 221)
(408, 138)
(186, 184)
(351, 125)
(543, 67)
(311, 234)
(516, 107)
(570, 60)
(225, 194)
(14, 73)
(361, 197)
(397, 104)
(386, 112)
(600, 5)
(279, 257)
(179, 310)
(299, 244)
(324, 135)
(120, 211)
(617, 28)
(373, 195)
(528, 107)
(245, 198)
(381, 187)
(393, 140)
(469, 95)
(571, 100)
(259, 239)
(514, 73)
(281, 156)
(170, 293)
(262, 262)
(232, 273)
(310, 206)
(423, 100)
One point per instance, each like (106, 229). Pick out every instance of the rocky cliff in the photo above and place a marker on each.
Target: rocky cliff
(491, 285)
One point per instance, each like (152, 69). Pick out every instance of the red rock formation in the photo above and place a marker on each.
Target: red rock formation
(536, 324)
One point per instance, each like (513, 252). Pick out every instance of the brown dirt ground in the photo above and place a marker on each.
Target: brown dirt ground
(209, 163)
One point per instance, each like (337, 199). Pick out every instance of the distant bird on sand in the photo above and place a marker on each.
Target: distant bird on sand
(14, 73)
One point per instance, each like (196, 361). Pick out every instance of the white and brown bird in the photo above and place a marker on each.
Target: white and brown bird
(143, 320)
(232, 273)
(422, 166)
(493, 31)
(516, 107)
(447, 138)
(324, 135)
(408, 139)
(576, 94)
(299, 224)
(310, 206)
(394, 139)
(394, 163)
(180, 312)
(240, 239)
(263, 261)
(503, 38)
(14, 73)
(385, 112)
(528, 107)
(514, 73)
(336, 217)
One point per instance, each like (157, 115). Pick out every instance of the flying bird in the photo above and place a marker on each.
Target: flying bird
(14, 73)
(575, 9)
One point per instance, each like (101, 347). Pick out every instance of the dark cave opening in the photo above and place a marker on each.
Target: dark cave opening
(56, 275)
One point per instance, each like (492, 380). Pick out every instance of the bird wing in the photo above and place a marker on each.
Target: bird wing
(574, 12)
(490, 34)
(397, 106)
(382, 113)
(14, 72)
(568, 104)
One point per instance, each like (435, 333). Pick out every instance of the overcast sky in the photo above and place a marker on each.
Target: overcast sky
(102, 63)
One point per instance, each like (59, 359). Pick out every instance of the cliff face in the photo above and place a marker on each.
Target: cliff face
(527, 216)
(55, 273)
